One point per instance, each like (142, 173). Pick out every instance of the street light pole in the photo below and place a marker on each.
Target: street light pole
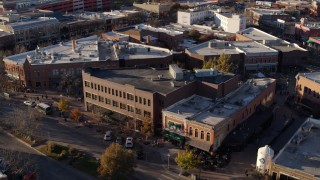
(168, 161)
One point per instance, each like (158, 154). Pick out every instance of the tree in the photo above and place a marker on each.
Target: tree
(223, 63)
(75, 114)
(205, 37)
(147, 127)
(187, 160)
(116, 161)
(63, 105)
(194, 34)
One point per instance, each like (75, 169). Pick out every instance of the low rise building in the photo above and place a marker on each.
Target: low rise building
(140, 92)
(45, 66)
(265, 17)
(34, 31)
(204, 123)
(159, 8)
(307, 89)
(290, 54)
(306, 29)
(247, 55)
(6, 40)
(299, 158)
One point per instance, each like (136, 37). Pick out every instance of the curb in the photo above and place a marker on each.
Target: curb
(21, 141)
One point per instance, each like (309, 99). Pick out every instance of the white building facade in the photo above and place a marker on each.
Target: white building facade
(228, 22)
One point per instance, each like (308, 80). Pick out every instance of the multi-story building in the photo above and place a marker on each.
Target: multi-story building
(158, 8)
(305, 29)
(205, 123)
(299, 158)
(35, 31)
(6, 40)
(307, 89)
(45, 66)
(247, 55)
(138, 33)
(264, 17)
(139, 92)
(314, 8)
(290, 54)
(55, 5)
(227, 21)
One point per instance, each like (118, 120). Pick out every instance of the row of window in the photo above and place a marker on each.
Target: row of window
(114, 103)
(196, 134)
(118, 93)
(57, 72)
(311, 92)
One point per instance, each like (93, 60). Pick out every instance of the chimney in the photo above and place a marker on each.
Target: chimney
(148, 40)
(73, 45)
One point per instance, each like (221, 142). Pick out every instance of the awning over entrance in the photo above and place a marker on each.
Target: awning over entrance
(200, 145)
(172, 136)
(309, 41)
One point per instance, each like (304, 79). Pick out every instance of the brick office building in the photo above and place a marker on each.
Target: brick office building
(247, 55)
(139, 92)
(308, 90)
(290, 54)
(205, 123)
(45, 66)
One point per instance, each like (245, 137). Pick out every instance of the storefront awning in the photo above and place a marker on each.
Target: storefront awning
(200, 145)
(309, 41)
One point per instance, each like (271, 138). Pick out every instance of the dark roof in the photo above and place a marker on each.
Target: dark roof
(147, 79)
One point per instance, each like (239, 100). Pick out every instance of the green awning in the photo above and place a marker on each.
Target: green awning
(309, 41)
(170, 124)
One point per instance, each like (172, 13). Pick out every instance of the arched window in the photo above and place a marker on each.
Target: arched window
(196, 133)
(190, 131)
(208, 136)
(202, 135)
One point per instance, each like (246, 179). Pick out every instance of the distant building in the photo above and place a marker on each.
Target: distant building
(265, 17)
(7, 40)
(204, 123)
(247, 55)
(139, 92)
(159, 8)
(34, 31)
(306, 29)
(139, 33)
(227, 21)
(290, 54)
(308, 90)
(55, 5)
(44, 67)
(315, 8)
(299, 158)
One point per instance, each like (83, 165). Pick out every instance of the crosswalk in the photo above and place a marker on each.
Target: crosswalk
(167, 176)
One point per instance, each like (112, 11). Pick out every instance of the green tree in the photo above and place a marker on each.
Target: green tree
(187, 160)
(147, 127)
(223, 63)
(194, 34)
(63, 105)
(115, 162)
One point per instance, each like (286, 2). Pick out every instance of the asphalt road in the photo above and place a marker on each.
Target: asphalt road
(48, 169)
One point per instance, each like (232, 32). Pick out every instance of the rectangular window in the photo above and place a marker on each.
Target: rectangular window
(94, 97)
(124, 95)
(88, 95)
(116, 92)
(115, 103)
(112, 91)
(140, 100)
(91, 85)
(108, 101)
(109, 90)
(144, 101)
(149, 102)
(102, 88)
(122, 106)
(136, 98)
(147, 113)
(98, 87)
(130, 108)
(105, 89)
(138, 111)
(120, 94)
(95, 86)
(86, 84)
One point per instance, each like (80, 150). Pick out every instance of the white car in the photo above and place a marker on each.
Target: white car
(30, 103)
(108, 136)
(129, 142)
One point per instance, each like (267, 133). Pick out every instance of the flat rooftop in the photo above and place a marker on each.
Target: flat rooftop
(210, 112)
(89, 49)
(268, 11)
(285, 46)
(145, 78)
(302, 152)
(231, 47)
(314, 76)
(171, 32)
(3, 33)
(32, 23)
(257, 35)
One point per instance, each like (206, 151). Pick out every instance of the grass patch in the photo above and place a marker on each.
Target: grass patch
(81, 161)
(87, 164)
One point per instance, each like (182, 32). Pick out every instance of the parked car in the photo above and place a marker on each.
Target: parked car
(108, 136)
(119, 140)
(30, 103)
(129, 142)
